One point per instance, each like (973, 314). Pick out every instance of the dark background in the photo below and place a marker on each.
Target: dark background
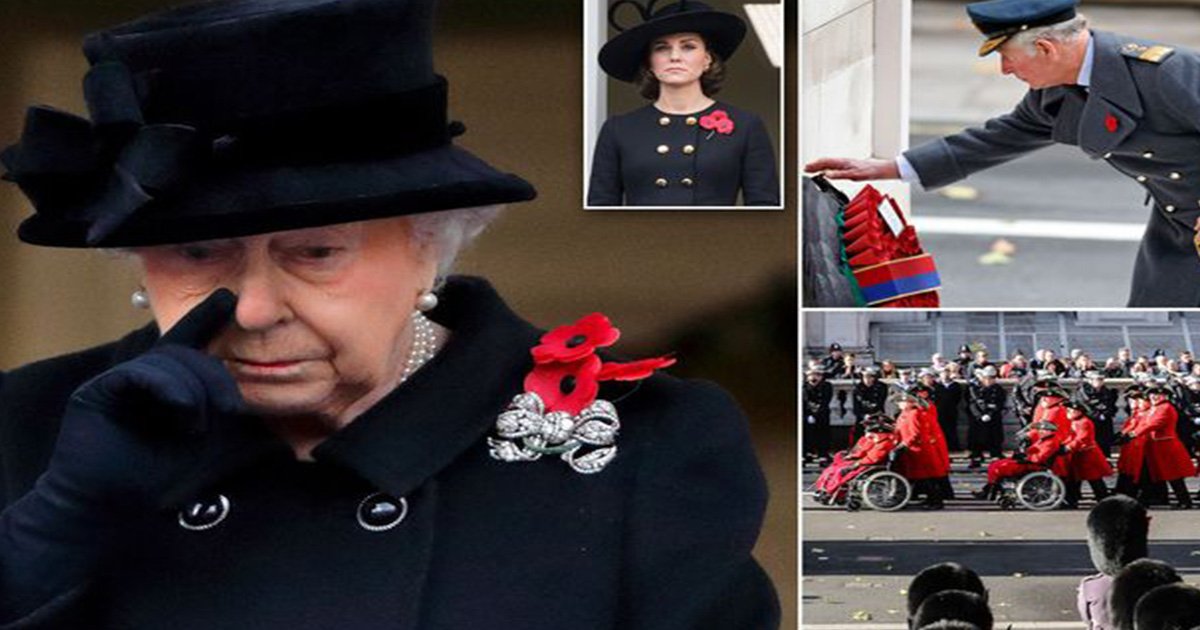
(718, 288)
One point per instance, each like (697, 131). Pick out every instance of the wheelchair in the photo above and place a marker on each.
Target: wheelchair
(1039, 490)
(880, 489)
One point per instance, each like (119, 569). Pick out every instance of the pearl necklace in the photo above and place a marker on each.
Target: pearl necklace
(424, 345)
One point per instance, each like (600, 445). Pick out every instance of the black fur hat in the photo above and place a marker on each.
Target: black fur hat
(1118, 533)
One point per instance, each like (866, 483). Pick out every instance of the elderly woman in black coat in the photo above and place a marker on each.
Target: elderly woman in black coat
(684, 148)
(316, 431)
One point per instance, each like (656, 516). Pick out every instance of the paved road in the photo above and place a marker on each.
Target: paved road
(857, 564)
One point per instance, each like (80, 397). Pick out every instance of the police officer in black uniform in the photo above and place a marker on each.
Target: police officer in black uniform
(1102, 401)
(985, 405)
(869, 396)
(815, 399)
(1189, 413)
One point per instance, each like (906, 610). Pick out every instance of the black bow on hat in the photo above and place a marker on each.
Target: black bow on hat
(242, 117)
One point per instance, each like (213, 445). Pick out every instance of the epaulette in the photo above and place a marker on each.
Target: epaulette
(1153, 54)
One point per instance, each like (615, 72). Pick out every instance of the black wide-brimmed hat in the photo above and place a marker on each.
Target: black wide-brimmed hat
(622, 57)
(241, 117)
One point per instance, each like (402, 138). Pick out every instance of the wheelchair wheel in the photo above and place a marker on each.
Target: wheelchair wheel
(1041, 491)
(885, 491)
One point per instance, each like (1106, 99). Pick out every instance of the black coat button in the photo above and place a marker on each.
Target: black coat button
(205, 513)
(381, 512)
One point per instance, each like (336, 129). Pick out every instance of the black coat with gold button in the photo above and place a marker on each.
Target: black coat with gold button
(660, 538)
(649, 158)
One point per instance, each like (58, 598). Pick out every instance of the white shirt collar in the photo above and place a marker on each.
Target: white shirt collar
(1085, 69)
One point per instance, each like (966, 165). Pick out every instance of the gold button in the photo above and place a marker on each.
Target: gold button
(687, 181)
(661, 182)
(1170, 208)
(1148, 155)
(663, 149)
(1141, 178)
(1175, 175)
(664, 121)
(691, 120)
(1107, 155)
(688, 149)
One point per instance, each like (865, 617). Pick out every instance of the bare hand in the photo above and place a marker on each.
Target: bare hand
(856, 170)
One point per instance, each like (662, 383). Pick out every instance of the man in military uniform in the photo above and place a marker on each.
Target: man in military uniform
(815, 398)
(985, 406)
(1189, 413)
(947, 395)
(1102, 400)
(869, 396)
(1130, 102)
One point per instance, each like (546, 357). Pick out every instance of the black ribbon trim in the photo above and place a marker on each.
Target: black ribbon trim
(103, 171)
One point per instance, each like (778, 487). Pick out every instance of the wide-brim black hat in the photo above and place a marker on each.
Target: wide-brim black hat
(622, 56)
(241, 117)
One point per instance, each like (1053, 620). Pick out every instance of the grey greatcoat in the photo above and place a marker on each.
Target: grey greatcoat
(1141, 114)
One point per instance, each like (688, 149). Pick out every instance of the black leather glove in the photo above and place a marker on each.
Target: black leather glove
(1121, 438)
(129, 438)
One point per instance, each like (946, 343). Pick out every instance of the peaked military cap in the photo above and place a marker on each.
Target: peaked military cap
(999, 20)
(242, 117)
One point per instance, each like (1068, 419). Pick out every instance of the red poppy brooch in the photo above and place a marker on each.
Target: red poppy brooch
(558, 413)
(717, 122)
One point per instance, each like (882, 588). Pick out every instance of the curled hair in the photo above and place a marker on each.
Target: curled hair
(449, 231)
(710, 81)
(1061, 32)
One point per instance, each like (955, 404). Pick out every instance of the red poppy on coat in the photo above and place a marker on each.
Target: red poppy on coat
(575, 341)
(565, 386)
(1111, 123)
(718, 121)
(634, 370)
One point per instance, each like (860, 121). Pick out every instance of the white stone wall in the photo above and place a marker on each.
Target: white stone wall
(855, 81)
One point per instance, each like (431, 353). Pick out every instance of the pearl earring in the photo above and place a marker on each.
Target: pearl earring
(427, 301)
(140, 299)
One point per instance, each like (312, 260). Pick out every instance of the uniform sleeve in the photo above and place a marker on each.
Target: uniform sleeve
(605, 187)
(949, 159)
(760, 178)
(694, 518)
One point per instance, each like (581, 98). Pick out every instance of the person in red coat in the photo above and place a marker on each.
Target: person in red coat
(1042, 451)
(1050, 404)
(1085, 460)
(1133, 449)
(933, 426)
(923, 460)
(1166, 457)
(871, 449)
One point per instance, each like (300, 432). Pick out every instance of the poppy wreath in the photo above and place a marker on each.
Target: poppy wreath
(882, 259)
(717, 122)
(559, 412)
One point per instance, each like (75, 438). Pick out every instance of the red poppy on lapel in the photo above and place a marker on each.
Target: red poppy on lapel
(578, 340)
(1111, 123)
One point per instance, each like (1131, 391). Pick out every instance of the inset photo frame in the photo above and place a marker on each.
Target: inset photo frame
(683, 105)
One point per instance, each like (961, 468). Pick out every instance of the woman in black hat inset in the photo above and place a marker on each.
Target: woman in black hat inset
(317, 430)
(684, 148)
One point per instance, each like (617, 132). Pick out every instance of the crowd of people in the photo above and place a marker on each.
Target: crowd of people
(1070, 429)
(1129, 590)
